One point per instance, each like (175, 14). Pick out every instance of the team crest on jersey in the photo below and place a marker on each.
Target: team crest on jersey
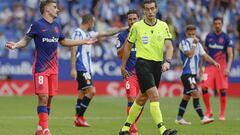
(221, 40)
(145, 39)
(56, 29)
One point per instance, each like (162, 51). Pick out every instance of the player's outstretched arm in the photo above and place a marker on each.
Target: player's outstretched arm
(169, 54)
(209, 59)
(70, 42)
(111, 32)
(20, 44)
(73, 62)
(127, 49)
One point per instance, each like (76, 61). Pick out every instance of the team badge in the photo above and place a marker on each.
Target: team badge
(56, 29)
(145, 39)
(221, 40)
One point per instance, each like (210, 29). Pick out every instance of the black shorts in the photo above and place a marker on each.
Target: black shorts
(189, 83)
(148, 73)
(84, 80)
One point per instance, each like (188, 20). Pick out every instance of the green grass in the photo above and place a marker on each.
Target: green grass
(106, 116)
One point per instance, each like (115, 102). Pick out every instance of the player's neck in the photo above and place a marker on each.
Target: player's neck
(218, 33)
(48, 18)
(150, 22)
(83, 27)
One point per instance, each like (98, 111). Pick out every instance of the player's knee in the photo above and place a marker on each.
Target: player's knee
(223, 92)
(43, 100)
(204, 91)
(195, 94)
(154, 98)
(141, 100)
(91, 92)
(131, 99)
(186, 97)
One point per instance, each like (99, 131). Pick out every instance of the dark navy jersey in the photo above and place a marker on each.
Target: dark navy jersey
(217, 46)
(130, 67)
(46, 37)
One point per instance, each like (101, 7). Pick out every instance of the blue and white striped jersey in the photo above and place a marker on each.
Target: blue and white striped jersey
(190, 65)
(83, 54)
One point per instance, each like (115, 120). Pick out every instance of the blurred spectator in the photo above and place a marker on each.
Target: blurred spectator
(5, 16)
(106, 10)
(117, 22)
(3, 41)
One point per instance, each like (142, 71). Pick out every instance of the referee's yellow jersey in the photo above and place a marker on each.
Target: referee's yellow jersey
(149, 40)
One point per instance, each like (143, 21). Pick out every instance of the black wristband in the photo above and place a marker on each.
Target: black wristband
(168, 61)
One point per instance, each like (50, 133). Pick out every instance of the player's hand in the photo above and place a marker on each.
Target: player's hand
(90, 41)
(124, 73)
(124, 28)
(74, 73)
(11, 45)
(227, 71)
(217, 65)
(201, 72)
(195, 40)
(165, 66)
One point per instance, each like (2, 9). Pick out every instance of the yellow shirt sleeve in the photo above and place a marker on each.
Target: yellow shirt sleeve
(167, 34)
(132, 36)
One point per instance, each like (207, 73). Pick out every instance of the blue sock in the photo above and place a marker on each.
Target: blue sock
(42, 109)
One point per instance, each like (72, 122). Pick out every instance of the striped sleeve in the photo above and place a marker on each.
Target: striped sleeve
(201, 50)
(184, 46)
(77, 35)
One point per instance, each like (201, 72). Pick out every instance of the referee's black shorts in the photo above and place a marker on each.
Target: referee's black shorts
(148, 73)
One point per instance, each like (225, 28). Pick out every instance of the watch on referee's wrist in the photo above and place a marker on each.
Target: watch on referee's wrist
(168, 61)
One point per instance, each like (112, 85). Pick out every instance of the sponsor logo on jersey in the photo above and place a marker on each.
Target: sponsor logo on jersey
(50, 40)
(216, 46)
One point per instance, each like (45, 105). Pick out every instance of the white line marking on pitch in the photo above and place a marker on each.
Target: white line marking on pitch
(71, 118)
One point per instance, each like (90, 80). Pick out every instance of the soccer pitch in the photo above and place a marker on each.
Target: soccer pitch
(107, 114)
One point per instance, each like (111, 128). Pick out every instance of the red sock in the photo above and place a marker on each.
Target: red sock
(43, 120)
(223, 101)
(206, 100)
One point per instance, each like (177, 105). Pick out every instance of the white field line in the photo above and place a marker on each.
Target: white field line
(62, 118)
(90, 118)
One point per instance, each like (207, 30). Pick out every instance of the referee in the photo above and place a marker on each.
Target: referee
(150, 36)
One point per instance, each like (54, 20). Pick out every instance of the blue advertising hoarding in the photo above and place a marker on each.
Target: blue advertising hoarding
(104, 70)
(21, 69)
